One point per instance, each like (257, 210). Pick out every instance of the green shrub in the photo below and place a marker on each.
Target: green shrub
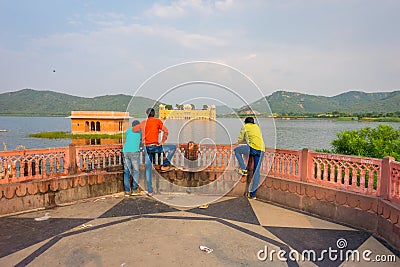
(369, 142)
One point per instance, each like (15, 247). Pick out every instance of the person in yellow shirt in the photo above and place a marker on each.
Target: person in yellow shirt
(251, 135)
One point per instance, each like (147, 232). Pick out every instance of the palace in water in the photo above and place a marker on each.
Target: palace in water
(187, 113)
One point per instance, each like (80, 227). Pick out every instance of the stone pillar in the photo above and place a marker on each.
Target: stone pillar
(304, 167)
(384, 191)
(72, 167)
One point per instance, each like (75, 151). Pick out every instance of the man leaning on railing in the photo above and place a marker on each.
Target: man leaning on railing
(151, 128)
(251, 134)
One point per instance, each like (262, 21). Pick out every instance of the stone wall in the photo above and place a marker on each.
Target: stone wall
(17, 197)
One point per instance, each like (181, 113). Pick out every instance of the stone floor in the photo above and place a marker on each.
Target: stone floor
(140, 231)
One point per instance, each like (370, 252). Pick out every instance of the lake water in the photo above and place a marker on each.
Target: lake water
(286, 134)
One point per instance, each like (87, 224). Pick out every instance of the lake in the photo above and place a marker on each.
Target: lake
(286, 134)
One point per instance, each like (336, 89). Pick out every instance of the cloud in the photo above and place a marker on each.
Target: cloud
(183, 8)
(200, 41)
(224, 5)
(125, 36)
(161, 11)
(251, 56)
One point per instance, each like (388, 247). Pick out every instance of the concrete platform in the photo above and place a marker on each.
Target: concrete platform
(140, 231)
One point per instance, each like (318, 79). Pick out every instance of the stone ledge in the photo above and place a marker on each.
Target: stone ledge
(50, 192)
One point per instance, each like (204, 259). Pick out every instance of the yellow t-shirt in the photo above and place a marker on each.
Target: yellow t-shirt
(251, 133)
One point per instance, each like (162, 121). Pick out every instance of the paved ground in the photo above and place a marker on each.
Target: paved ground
(140, 231)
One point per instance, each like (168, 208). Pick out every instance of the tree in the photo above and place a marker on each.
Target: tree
(168, 107)
(205, 107)
(369, 142)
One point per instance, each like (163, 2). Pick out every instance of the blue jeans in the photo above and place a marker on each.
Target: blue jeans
(131, 166)
(150, 152)
(257, 155)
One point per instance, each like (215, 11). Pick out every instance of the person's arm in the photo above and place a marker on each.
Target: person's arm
(242, 135)
(165, 134)
(138, 128)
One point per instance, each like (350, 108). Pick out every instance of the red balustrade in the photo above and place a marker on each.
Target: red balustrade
(394, 193)
(364, 175)
(348, 172)
(94, 157)
(35, 164)
(282, 163)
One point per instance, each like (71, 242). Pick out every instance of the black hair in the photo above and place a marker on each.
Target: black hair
(150, 112)
(135, 122)
(249, 120)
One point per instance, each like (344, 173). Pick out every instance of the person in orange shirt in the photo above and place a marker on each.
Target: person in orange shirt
(150, 137)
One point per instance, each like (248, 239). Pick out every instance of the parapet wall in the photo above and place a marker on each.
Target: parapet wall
(370, 213)
(36, 194)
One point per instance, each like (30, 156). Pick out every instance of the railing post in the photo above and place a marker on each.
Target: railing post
(305, 153)
(72, 168)
(385, 178)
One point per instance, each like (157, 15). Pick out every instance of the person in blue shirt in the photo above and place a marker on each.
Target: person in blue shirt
(131, 151)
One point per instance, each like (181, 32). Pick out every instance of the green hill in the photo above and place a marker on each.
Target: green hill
(48, 103)
(352, 102)
(387, 104)
(28, 102)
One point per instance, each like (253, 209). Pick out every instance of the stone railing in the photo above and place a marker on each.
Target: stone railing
(377, 177)
(25, 165)
(282, 163)
(90, 158)
(356, 174)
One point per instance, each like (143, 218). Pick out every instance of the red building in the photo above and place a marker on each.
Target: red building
(107, 122)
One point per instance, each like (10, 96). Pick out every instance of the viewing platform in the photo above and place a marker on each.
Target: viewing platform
(308, 201)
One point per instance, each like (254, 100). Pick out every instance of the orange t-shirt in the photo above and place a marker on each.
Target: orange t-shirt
(150, 129)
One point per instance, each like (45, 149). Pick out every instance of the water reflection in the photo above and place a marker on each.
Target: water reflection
(95, 141)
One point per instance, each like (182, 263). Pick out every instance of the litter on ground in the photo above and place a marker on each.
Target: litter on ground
(43, 218)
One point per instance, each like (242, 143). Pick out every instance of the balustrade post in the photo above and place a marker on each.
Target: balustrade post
(72, 167)
(384, 191)
(304, 166)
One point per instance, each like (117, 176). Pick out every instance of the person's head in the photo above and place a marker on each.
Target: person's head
(135, 122)
(150, 112)
(249, 120)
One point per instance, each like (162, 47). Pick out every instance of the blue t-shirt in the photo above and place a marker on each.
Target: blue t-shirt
(132, 141)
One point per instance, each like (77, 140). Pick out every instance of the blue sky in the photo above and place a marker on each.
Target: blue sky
(111, 47)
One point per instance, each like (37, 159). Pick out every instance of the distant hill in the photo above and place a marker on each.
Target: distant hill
(48, 103)
(29, 102)
(352, 102)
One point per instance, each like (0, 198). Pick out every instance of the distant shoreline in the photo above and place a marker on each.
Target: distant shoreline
(363, 119)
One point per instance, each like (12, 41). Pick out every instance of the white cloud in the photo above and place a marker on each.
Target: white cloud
(200, 41)
(251, 56)
(224, 5)
(183, 8)
(161, 11)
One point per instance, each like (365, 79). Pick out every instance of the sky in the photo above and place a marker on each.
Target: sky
(100, 47)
